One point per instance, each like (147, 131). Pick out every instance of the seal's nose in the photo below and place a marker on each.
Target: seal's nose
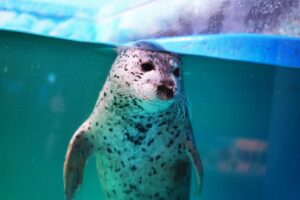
(165, 90)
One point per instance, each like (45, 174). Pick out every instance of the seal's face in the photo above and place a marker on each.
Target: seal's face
(153, 77)
(159, 75)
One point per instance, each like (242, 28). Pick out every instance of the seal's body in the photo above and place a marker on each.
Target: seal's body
(139, 131)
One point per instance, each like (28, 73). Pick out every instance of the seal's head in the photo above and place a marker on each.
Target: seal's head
(148, 73)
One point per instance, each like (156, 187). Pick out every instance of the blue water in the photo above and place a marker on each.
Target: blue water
(246, 118)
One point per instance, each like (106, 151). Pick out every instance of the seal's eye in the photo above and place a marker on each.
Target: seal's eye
(176, 72)
(147, 66)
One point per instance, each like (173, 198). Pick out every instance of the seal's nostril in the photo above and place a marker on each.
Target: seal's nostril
(165, 92)
(169, 87)
(168, 84)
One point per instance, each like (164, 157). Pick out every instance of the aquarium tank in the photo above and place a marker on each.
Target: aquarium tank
(241, 67)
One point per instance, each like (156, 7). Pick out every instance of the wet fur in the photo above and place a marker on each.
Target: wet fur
(143, 145)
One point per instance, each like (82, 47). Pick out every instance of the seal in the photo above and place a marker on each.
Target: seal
(139, 131)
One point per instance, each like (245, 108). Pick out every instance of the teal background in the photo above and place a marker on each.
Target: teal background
(49, 86)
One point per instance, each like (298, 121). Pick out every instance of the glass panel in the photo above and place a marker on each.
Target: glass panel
(243, 90)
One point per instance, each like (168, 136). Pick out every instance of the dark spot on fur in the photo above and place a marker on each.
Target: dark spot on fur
(133, 168)
(132, 187)
(162, 124)
(109, 150)
(150, 142)
(154, 172)
(141, 128)
(177, 135)
(122, 163)
(133, 139)
(171, 141)
(140, 180)
(157, 157)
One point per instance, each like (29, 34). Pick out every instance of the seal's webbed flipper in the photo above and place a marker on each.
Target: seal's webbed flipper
(195, 159)
(79, 149)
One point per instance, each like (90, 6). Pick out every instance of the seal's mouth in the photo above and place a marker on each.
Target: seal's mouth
(164, 92)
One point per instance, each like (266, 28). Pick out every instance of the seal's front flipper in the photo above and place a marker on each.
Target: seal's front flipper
(196, 162)
(80, 147)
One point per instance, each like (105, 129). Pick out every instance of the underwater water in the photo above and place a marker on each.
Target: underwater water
(246, 120)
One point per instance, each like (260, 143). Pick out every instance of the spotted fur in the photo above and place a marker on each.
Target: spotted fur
(142, 137)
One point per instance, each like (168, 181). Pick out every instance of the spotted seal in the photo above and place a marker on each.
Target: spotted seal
(139, 131)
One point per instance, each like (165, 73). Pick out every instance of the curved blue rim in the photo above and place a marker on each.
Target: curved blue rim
(264, 49)
(274, 50)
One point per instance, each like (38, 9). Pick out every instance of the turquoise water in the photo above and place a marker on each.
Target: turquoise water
(246, 119)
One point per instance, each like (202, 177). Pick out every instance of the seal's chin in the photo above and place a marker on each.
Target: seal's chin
(164, 93)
